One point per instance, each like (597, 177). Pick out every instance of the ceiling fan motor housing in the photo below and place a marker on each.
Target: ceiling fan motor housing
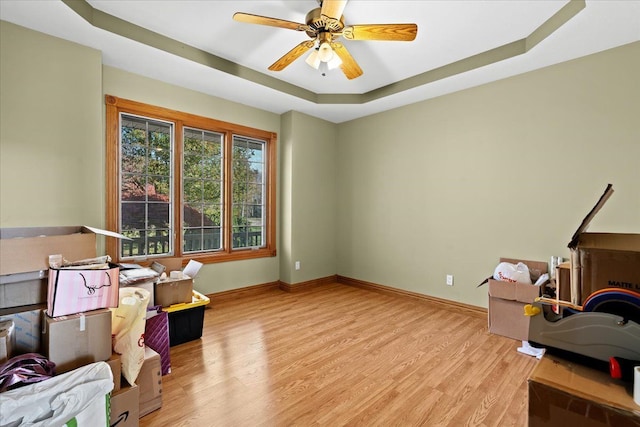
(321, 24)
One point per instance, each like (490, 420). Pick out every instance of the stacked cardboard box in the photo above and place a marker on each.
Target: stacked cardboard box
(69, 341)
(76, 338)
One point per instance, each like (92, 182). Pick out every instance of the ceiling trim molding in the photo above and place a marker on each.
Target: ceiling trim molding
(139, 34)
(134, 32)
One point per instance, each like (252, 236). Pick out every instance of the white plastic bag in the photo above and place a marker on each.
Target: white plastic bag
(127, 329)
(508, 272)
(78, 398)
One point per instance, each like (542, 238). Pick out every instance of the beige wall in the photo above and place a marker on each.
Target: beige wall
(309, 190)
(51, 139)
(449, 185)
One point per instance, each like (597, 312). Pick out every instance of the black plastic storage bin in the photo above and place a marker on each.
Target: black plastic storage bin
(186, 320)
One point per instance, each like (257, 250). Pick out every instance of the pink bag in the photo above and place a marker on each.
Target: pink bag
(73, 291)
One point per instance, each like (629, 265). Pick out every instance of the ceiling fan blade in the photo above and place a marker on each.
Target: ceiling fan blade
(272, 22)
(291, 56)
(396, 32)
(333, 8)
(349, 66)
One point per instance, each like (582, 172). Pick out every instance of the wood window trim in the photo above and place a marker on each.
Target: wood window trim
(115, 106)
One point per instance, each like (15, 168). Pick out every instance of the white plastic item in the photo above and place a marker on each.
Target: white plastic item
(7, 336)
(544, 278)
(127, 328)
(531, 351)
(177, 274)
(508, 272)
(78, 397)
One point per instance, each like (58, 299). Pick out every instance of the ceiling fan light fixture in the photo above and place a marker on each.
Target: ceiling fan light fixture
(324, 58)
(325, 53)
(334, 63)
(313, 59)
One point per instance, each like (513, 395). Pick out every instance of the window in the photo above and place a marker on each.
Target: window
(180, 185)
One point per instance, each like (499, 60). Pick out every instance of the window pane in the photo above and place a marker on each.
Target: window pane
(145, 185)
(192, 215)
(192, 190)
(158, 188)
(202, 188)
(212, 238)
(192, 239)
(158, 215)
(212, 192)
(133, 187)
(134, 247)
(202, 239)
(134, 157)
(212, 215)
(248, 192)
(256, 171)
(212, 167)
(247, 237)
(159, 138)
(192, 166)
(159, 162)
(254, 193)
(133, 216)
(158, 242)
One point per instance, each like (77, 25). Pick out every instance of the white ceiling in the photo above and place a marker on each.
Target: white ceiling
(448, 31)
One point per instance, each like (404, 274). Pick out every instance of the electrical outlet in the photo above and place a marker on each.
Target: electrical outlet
(297, 265)
(450, 279)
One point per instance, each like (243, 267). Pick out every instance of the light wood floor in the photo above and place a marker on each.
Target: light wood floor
(337, 355)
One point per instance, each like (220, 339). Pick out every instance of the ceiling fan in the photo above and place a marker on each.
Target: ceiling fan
(325, 25)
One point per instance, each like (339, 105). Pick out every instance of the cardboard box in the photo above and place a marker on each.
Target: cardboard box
(507, 301)
(125, 406)
(148, 286)
(25, 254)
(563, 281)
(150, 383)
(77, 340)
(171, 264)
(73, 291)
(603, 260)
(26, 331)
(563, 393)
(173, 291)
(115, 363)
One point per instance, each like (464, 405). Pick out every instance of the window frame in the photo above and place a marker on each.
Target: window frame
(115, 106)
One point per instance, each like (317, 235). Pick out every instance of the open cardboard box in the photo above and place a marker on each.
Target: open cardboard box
(603, 260)
(507, 301)
(177, 290)
(25, 251)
